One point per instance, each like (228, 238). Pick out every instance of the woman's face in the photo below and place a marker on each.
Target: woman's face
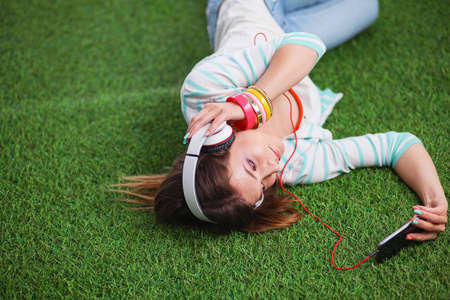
(254, 158)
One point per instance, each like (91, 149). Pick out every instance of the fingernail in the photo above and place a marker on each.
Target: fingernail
(207, 133)
(409, 238)
(417, 212)
(415, 222)
(185, 138)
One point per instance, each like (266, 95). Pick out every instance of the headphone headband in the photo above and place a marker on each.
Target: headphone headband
(222, 138)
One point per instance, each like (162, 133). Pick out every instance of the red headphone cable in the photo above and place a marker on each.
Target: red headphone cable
(289, 193)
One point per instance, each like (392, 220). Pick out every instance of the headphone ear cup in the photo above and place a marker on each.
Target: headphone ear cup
(221, 146)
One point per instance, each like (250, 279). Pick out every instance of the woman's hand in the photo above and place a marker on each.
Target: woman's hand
(217, 113)
(417, 169)
(433, 217)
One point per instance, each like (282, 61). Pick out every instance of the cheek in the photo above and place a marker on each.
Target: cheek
(254, 146)
(246, 189)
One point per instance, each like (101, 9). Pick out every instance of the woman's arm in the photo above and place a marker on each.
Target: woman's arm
(325, 159)
(290, 65)
(417, 170)
(275, 68)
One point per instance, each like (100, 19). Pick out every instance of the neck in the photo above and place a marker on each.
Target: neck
(280, 124)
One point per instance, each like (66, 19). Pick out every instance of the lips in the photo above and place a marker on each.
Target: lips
(276, 152)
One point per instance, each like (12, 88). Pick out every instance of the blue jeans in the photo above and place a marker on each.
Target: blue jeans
(333, 21)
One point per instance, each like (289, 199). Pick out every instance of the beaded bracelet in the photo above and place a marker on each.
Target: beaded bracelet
(255, 109)
(258, 103)
(264, 95)
(250, 116)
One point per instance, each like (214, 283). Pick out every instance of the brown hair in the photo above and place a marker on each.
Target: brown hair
(219, 201)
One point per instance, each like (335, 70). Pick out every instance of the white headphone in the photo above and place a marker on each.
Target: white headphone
(221, 139)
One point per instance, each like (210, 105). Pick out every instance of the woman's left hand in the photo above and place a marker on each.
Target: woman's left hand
(431, 218)
(417, 170)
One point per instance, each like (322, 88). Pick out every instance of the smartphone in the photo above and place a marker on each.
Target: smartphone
(395, 242)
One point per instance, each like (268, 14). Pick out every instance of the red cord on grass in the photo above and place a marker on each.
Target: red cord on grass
(281, 183)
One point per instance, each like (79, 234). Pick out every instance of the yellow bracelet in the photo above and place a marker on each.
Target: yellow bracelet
(264, 94)
(263, 101)
(256, 109)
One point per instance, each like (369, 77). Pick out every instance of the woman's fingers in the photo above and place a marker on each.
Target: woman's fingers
(431, 219)
(436, 215)
(220, 116)
(205, 116)
(429, 226)
(216, 114)
(421, 236)
(215, 124)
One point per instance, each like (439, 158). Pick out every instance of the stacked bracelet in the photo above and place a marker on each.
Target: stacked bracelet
(256, 109)
(249, 113)
(256, 106)
(258, 92)
(259, 104)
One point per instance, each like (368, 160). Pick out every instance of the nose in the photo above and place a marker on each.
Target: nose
(272, 165)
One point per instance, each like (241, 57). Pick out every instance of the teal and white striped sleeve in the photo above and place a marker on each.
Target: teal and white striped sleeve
(304, 39)
(320, 160)
(217, 77)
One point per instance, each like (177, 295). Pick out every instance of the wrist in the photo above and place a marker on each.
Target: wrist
(255, 105)
(435, 201)
(249, 120)
(235, 112)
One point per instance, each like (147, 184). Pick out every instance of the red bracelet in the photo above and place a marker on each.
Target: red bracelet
(250, 116)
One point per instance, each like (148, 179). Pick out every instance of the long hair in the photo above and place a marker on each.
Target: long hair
(219, 201)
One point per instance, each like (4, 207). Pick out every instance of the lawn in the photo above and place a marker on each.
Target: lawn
(89, 92)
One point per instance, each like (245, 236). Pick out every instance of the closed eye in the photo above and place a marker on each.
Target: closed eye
(252, 164)
(253, 167)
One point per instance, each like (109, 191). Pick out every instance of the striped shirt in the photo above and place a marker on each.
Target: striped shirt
(318, 156)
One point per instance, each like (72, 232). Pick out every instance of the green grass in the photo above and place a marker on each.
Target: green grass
(89, 92)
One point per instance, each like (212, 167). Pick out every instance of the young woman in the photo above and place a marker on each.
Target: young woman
(257, 81)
